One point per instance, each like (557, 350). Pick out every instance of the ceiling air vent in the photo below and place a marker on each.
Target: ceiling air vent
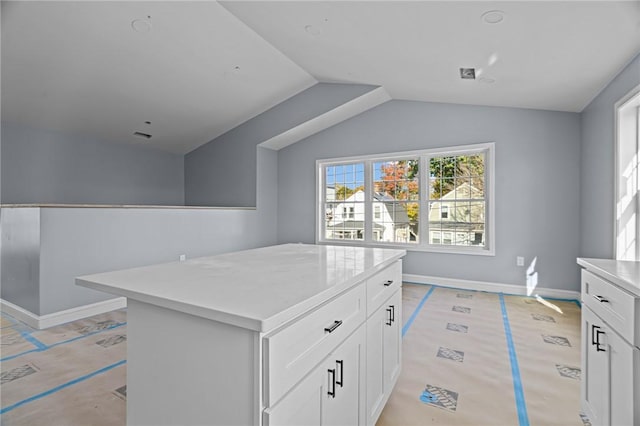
(468, 73)
(142, 135)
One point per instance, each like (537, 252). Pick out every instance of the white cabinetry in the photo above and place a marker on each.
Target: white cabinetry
(330, 394)
(383, 339)
(284, 335)
(610, 386)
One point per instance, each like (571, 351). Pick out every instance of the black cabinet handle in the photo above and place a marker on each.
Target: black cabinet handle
(389, 317)
(598, 348)
(388, 283)
(601, 299)
(335, 325)
(332, 383)
(341, 381)
(393, 313)
(593, 337)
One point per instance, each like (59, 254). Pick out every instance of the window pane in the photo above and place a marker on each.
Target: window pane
(344, 202)
(458, 215)
(394, 183)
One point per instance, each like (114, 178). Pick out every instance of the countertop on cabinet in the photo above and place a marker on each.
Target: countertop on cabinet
(258, 289)
(624, 273)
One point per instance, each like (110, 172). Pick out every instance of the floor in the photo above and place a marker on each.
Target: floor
(469, 358)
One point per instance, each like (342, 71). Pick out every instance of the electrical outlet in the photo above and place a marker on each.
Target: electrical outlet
(183, 257)
(519, 261)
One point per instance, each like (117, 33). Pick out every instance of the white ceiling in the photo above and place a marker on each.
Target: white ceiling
(79, 67)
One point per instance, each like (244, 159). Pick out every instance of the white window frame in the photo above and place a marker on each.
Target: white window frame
(488, 148)
(627, 182)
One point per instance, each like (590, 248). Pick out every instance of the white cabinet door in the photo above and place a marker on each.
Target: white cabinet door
(302, 406)
(383, 355)
(345, 373)
(392, 344)
(375, 365)
(623, 374)
(595, 368)
(330, 394)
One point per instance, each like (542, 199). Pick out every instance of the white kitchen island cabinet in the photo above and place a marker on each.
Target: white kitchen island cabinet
(271, 336)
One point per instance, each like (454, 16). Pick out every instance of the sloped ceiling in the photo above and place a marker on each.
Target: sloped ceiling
(198, 69)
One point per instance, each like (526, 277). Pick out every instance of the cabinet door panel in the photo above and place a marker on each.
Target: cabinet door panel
(302, 406)
(375, 365)
(392, 344)
(347, 361)
(621, 379)
(595, 368)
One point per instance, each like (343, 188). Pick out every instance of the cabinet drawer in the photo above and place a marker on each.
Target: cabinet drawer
(382, 285)
(617, 307)
(290, 353)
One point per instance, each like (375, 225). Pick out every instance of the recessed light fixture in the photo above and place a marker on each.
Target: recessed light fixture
(142, 135)
(314, 30)
(141, 25)
(468, 73)
(493, 16)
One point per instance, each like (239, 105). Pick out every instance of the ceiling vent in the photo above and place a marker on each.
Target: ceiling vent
(142, 135)
(468, 73)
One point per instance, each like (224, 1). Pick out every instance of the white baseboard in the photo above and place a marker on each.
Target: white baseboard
(491, 287)
(49, 320)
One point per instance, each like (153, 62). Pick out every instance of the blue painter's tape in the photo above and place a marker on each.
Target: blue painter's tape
(64, 342)
(417, 311)
(427, 397)
(521, 406)
(62, 386)
(35, 342)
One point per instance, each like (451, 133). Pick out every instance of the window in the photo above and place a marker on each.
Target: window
(627, 200)
(433, 200)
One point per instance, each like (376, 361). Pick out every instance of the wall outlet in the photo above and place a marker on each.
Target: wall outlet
(183, 257)
(519, 261)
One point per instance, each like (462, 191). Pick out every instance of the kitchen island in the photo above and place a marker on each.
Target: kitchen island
(288, 334)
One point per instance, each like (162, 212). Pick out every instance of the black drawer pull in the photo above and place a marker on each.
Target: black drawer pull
(388, 283)
(393, 313)
(390, 317)
(332, 383)
(601, 299)
(335, 325)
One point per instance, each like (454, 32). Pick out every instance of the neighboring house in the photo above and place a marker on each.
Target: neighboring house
(458, 217)
(390, 220)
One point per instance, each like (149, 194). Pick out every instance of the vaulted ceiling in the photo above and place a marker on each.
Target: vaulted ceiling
(186, 72)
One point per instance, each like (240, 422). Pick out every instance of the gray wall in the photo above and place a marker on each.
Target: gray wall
(44, 249)
(597, 171)
(223, 171)
(47, 167)
(20, 257)
(537, 183)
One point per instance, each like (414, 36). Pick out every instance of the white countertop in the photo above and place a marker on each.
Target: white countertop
(258, 289)
(624, 273)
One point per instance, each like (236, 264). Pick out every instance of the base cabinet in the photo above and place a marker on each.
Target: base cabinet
(383, 354)
(610, 382)
(330, 394)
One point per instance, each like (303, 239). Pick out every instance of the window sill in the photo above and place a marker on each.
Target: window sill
(415, 248)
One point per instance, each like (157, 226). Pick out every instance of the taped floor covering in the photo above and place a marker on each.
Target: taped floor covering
(457, 367)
